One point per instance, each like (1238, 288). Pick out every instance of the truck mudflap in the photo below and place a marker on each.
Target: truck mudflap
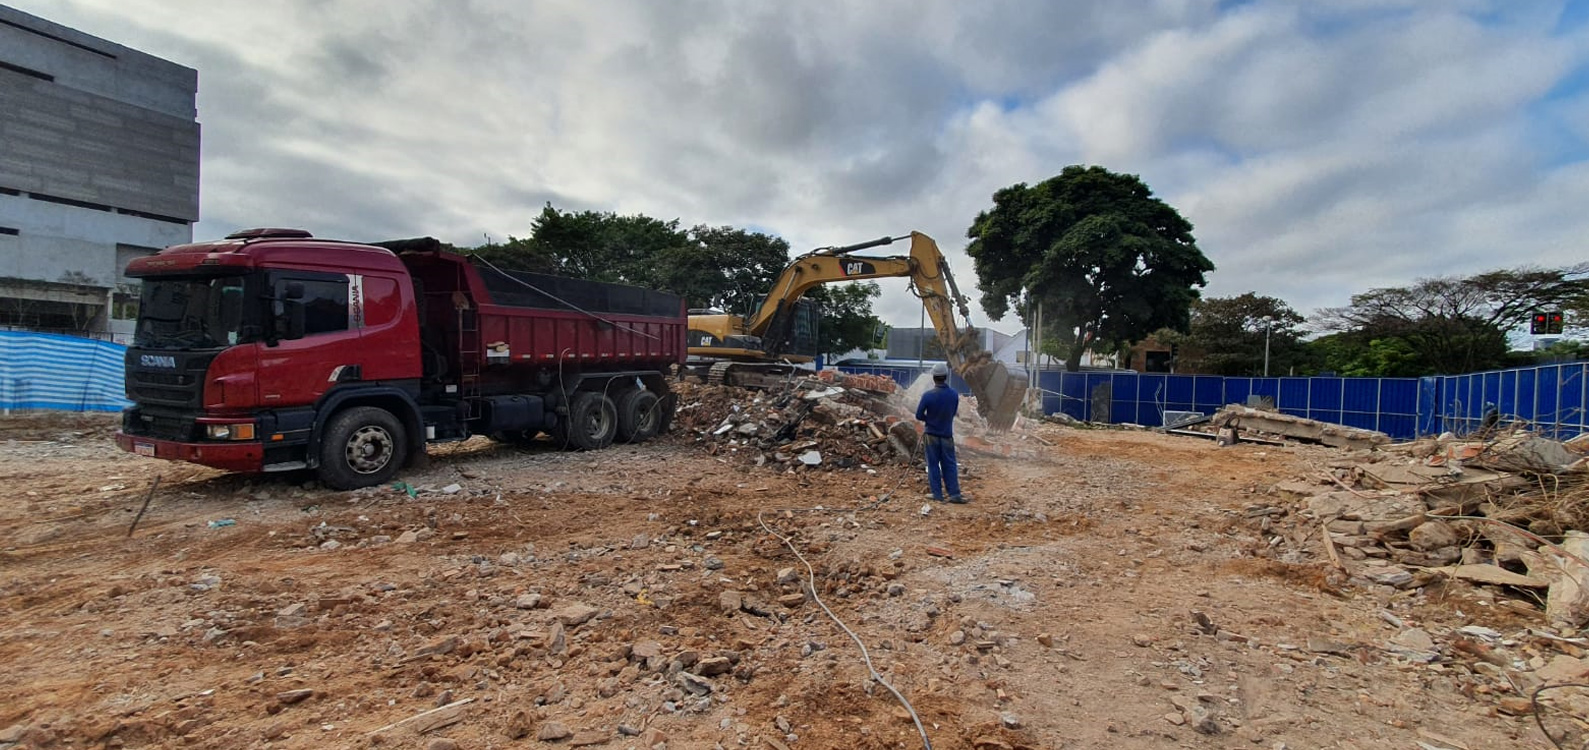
(245, 457)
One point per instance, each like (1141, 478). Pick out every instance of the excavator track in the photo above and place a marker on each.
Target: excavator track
(749, 374)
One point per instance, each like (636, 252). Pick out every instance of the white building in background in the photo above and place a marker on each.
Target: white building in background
(99, 164)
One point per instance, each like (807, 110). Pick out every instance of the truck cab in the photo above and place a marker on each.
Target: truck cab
(239, 342)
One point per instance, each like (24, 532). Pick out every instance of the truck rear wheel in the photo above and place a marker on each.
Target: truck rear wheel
(362, 447)
(639, 417)
(592, 421)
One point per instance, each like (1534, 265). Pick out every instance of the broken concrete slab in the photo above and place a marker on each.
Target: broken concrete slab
(1433, 535)
(1567, 602)
(1400, 476)
(1298, 428)
(1526, 452)
(1492, 574)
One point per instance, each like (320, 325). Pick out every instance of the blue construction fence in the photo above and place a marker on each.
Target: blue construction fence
(60, 373)
(66, 373)
(1551, 398)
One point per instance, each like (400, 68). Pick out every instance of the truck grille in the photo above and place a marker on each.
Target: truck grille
(181, 385)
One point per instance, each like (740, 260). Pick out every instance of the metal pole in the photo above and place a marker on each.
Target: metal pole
(1268, 324)
(1037, 346)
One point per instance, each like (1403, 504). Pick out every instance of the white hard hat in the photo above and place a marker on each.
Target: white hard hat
(940, 370)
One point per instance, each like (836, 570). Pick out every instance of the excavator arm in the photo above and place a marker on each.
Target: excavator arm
(998, 395)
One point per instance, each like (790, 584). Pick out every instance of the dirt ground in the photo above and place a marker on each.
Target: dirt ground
(1117, 591)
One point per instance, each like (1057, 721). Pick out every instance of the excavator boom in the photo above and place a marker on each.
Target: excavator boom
(999, 396)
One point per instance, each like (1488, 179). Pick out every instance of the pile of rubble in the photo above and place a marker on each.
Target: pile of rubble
(827, 422)
(874, 383)
(1484, 511)
(811, 423)
(1498, 522)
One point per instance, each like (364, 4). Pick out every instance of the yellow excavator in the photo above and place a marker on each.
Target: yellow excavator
(761, 350)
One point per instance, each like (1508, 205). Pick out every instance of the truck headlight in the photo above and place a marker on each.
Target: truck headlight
(243, 431)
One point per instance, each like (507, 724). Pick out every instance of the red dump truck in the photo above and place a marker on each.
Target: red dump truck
(272, 350)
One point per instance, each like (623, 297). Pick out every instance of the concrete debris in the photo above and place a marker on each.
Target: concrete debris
(576, 614)
(1244, 418)
(874, 383)
(823, 423)
(1433, 535)
(1508, 513)
(1567, 568)
(1415, 639)
(1492, 574)
(1477, 511)
(553, 731)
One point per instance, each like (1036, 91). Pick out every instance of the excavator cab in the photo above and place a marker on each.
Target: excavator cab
(793, 333)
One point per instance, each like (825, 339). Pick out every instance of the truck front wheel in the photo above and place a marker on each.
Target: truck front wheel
(592, 421)
(363, 446)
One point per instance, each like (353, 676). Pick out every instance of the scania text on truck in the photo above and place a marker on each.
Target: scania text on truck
(272, 350)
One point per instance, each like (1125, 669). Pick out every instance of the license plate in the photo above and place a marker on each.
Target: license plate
(143, 449)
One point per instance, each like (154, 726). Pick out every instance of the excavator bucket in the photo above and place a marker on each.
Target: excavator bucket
(999, 395)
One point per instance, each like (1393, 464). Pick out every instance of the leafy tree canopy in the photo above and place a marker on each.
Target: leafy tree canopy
(1447, 325)
(847, 319)
(590, 245)
(1228, 335)
(711, 267)
(722, 267)
(1108, 262)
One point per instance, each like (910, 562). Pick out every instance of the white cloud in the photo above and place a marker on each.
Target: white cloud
(1320, 149)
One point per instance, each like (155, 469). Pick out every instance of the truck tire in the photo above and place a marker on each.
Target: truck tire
(639, 417)
(592, 421)
(362, 447)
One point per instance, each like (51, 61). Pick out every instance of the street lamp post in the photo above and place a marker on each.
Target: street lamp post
(1268, 325)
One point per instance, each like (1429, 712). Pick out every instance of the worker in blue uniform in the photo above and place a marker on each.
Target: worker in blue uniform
(937, 412)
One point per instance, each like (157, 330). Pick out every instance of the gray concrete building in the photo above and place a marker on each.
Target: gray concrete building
(99, 163)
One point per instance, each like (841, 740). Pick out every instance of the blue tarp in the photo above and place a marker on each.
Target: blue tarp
(45, 371)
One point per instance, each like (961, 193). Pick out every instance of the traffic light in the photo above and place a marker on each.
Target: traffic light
(1546, 322)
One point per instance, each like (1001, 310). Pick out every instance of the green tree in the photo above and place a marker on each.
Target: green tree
(1228, 336)
(516, 253)
(722, 267)
(1565, 350)
(1362, 356)
(711, 267)
(1448, 325)
(1108, 262)
(847, 319)
(592, 245)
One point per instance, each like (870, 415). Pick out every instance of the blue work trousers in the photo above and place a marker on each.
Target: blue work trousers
(942, 471)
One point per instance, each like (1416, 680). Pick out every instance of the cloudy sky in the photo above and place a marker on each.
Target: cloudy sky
(1319, 148)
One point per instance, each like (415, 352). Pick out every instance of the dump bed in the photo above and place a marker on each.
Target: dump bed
(478, 316)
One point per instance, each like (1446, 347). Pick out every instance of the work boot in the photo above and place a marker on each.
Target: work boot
(958, 500)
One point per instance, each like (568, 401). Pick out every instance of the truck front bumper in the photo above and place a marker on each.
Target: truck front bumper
(248, 457)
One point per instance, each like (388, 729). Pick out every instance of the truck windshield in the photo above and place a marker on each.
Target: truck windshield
(191, 313)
